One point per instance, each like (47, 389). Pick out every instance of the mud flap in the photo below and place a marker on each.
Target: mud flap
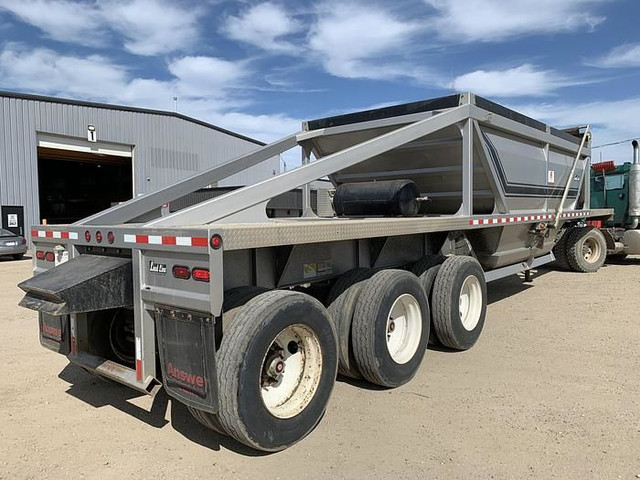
(55, 333)
(186, 341)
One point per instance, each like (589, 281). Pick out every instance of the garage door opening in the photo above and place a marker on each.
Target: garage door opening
(73, 185)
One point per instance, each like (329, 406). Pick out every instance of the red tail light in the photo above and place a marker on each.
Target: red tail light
(181, 272)
(87, 236)
(201, 274)
(99, 236)
(49, 257)
(40, 255)
(111, 237)
(216, 241)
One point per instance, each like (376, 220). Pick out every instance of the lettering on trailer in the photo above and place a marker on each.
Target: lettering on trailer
(159, 268)
(185, 377)
(56, 333)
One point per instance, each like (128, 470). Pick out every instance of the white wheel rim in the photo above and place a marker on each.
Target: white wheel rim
(591, 250)
(470, 303)
(286, 393)
(404, 328)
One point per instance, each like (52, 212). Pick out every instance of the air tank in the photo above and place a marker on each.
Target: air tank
(387, 198)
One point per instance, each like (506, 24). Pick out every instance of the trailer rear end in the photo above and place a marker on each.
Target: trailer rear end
(246, 319)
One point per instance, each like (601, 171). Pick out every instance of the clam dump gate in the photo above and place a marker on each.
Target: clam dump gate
(246, 319)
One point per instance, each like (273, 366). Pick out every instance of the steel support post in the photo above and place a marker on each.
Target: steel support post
(307, 211)
(467, 168)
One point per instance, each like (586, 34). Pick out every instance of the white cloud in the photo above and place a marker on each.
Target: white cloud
(494, 20)
(62, 20)
(203, 84)
(147, 27)
(152, 27)
(264, 26)
(207, 75)
(525, 80)
(623, 56)
(364, 41)
(611, 121)
(46, 71)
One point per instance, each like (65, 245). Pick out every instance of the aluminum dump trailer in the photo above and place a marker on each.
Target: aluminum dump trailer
(246, 319)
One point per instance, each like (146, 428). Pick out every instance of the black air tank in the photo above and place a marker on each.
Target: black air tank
(388, 197)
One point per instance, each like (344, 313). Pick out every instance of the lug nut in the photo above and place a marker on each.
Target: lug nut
(392, 326)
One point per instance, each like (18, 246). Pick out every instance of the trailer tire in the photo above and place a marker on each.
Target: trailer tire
(343, 295)
(459, 302)
(586, 249)
(560, 250)
(238, 296)
(209, 420)
(271, 330)
(387, 353)
(426, 269)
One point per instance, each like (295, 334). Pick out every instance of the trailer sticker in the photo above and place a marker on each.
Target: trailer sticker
(166, 240)
(526, 218)
(54, 234)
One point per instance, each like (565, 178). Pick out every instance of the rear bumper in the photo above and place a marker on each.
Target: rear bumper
(15, 250)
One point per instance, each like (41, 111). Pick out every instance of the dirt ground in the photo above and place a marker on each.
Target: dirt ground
(551, 390)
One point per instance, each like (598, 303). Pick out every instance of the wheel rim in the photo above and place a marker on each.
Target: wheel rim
(404, 328)
(591, 250)
(470, 302)
(291, 371)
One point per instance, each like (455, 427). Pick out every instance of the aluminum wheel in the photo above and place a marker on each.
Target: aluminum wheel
(291, 371)
(404, 328)
(470, 302)
(591, 250)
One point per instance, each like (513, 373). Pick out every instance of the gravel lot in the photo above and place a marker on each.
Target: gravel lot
(551, 390)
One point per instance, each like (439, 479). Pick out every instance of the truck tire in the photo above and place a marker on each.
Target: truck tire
(586, 249)
(209, 420)
(234, 299)
(277, 366)
(560, 250)
(459, 302)
(426, 270)
(344, 295)
(390, 328)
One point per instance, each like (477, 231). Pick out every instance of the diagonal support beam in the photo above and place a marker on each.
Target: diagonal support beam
(139, 206)
(238, 200)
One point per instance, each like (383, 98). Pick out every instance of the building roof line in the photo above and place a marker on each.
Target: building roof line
(109, 106)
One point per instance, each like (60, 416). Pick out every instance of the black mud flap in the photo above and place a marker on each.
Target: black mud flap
(54, 333)
(84, 284)
(186, 342)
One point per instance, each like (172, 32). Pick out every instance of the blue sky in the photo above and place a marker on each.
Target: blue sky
(260, 68)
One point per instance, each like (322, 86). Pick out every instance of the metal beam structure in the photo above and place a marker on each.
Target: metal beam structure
(138, 207)
(234, 202)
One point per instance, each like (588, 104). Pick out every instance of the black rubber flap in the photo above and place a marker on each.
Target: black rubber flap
(84, 284)
(187, 357)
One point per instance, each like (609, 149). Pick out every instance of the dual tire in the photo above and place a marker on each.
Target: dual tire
(581, 249)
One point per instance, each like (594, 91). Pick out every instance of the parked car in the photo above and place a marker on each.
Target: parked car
(12, 244)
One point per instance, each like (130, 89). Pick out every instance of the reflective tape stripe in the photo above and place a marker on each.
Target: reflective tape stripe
(525, 218)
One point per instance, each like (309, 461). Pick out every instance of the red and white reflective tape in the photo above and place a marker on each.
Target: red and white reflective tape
(166, 240)
(138, 359)
(54, 234)
(525, 218)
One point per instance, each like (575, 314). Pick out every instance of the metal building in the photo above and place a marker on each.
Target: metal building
(61, 160)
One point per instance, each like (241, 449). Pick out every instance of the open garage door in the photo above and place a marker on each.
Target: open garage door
(73, 184)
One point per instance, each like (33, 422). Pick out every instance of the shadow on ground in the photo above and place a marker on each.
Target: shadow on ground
(99, 392)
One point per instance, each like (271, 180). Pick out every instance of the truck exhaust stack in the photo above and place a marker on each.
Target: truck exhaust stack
(634, 186)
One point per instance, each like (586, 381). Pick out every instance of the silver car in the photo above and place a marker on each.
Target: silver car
(12, 244)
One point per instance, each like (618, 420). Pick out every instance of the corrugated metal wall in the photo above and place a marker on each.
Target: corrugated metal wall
(165, 148)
